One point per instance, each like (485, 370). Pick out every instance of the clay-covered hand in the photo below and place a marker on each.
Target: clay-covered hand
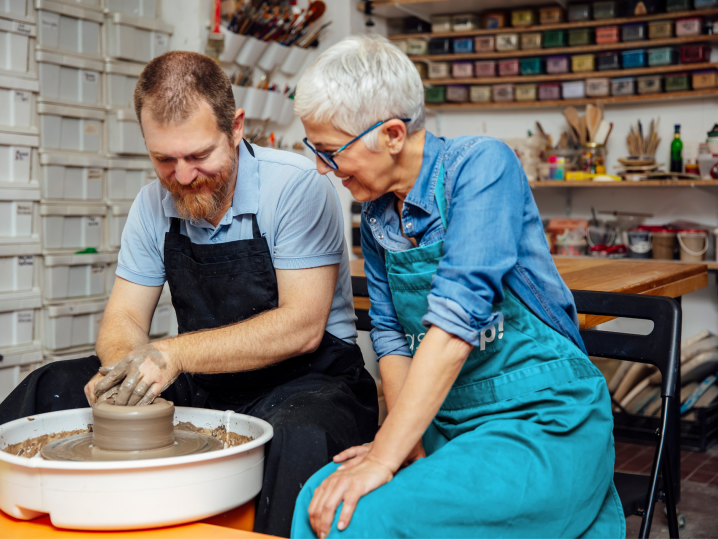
(140, 376)
(345, 486)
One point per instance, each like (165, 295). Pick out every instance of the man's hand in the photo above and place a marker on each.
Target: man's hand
(90, 388)
(355, 455)
(144, 373)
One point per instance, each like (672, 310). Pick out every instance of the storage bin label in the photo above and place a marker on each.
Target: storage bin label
(49, 22)
(94, 174)
(22, 154)
(93, 221)
(24, 209)
(22, 97)
(98, 268)
(26, 260)
(25, 369)
(161, 40)
(24, 317)
(92, 129)
(22, 28)
(90, 76)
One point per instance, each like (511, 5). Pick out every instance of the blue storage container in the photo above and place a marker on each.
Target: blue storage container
(463, 45)
(633, 59)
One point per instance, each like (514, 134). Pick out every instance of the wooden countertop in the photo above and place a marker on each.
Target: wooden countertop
(652, 277)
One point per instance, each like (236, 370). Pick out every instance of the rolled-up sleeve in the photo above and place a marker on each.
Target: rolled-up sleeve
(484, 190)
(387, 335)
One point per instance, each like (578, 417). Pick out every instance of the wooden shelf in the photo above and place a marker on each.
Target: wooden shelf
(676, 68)
(694, 94)
(562, 51)
(394, 9)
(711, 265)
(623, 184)
(563, 26)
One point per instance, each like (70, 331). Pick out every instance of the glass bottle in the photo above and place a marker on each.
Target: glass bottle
(677, 151)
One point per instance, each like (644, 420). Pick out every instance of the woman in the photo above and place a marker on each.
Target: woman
(498, 424)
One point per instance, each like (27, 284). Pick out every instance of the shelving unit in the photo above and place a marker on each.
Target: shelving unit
(623, 184)
(426, 8)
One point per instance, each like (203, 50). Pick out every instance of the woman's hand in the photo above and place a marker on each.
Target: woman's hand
(345, 485)
(355, 455)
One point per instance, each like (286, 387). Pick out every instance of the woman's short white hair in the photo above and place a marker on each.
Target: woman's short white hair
(359, 82)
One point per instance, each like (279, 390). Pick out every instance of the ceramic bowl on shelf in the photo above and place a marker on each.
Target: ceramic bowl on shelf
(637, 161)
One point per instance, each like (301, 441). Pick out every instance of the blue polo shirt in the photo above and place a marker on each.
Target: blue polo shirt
(298, 212)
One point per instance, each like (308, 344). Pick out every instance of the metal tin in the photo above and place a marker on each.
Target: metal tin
(435, 94)
(605, 10)
(695, 54)
(439, 70)
(415, 25)
(623, 86)
(663, 56)
(556, 65)
(551, 15)
(494, 20)
(526, 92)
(532, 66)
(574, 89)
(503, 93)
(484, 43)
(456, 93)
(480, 94)
(509, 68)
(523, 17)
(642, 7)
(531, 40)
(462, 70)
(417, 46)
(507, 42)
(598, 87)
(422, 69)
(554, 38)
(678, 82)
(485, 68)
(580, 37)
(608, 61)
(705, 79)
(688, 27)
(441, 24)
(579, 12)
(582, 63)
(650, 84)
(607, 34)
(549, 91)
(440, 45)
(704, 4)
(633, 32)
(465, 22)
(634, 59)
(678, 5)
(463, 45)
(660, 29)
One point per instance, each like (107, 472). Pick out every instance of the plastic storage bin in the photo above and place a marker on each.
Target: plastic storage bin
(695, 54)
(503, 93)
(507, 42)
(17, 363)
(509, 68)
(18, 315)
(523, 17)
(634, 59)
(136, 39)
(660, 29)
(556, 65)
(633, 32)
(17, 40)
(532, 66)
(526, 92)
(18, 213)
(117, 218)
(69, 79)
(125, 178)
(605, 10)
(124, 136)
(551, 15)
(608, 61)
(485, 68)
(68, 29)
(582, 63)
(598, 87)
(72, 177)
(575, 89)
(17, 104)
(484, 43)
(607, 34)
(76, 276)
(531, 40)
(579, 12)
(580, 37)
(677, 82)
(439, 70)
(688, 27)
(554, 38)
(14, 8)
(71, 325)
(549, 91)
(663, 57)
(19, 267)
(70, 128)
(138, 8)
(437, 45)
(623, 86)
(16, 157)
(120, 79)
(480, 94)
(72, 227)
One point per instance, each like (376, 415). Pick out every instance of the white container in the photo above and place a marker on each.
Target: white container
(68, 177)
(575, 89)
(15, 365)
(253, 103)
(287, 114)
(52, 357)
(70, 128)
(251, 51)
(14, 8)
(163, 316)
(16, 157)
(706, 164)
(117, 218)
(232, 45)
(19, 265)
(138, 8)
(137, 39)
(67, 28)
(71, 325)
(120, 79)
(114, 495)
(17, 104)
(239, 93)
(125, 178)
(18, 314)
(92, 4)
(67, 79)
(76, 276)
(294, 60)
(273, 56)
(72, 227)
(124, 136)
(273, 106)
(18, 211)
(17, 39)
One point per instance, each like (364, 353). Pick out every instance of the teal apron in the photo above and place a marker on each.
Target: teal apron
(521, 447)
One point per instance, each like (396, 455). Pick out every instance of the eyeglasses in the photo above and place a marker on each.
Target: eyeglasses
(328, 158)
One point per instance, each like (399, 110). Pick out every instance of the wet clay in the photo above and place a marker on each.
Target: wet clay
(231, 439)
(32, 446)
(133, 428)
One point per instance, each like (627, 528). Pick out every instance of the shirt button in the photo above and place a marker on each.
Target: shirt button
(372, 220)
(380, 236)
(408, 225)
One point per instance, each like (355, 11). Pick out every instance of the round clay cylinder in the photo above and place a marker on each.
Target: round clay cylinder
(133, 428)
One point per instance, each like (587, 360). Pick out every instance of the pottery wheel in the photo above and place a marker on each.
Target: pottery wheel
(131, 433)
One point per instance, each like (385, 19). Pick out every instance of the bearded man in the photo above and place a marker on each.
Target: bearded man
(251, 242)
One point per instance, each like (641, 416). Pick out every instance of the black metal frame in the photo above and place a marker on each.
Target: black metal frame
(660, 348)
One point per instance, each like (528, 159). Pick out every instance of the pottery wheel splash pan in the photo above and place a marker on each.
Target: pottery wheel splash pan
(131, 494)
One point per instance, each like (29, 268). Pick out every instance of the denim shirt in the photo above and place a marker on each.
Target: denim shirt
(495, 239)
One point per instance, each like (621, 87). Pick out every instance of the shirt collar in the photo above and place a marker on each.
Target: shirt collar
(246, 191)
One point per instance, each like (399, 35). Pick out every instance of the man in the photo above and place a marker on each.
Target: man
(251, 243)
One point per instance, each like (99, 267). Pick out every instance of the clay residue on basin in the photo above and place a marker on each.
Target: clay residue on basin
(31, 447)
(231, 440)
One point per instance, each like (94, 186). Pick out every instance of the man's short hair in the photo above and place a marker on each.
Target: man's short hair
(173, 84)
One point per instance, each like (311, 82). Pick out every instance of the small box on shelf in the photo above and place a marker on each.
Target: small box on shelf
(660, 29)
(575, 89)
(600, 87)
(605, 10)
(705, 79)
(608, 61)
(509, 67)
(623, 86)
(551, 15)
(507, 42)
(580, 37)
(557, 65)
(531, 40)
(480, 94)
(549, 91)
(554, 39)
(485, 68)
(634, 59)
(484, 43)
(526, 92)
(650, 84)
(677, 82)
(607, 34)
(634, 32)
(438, 70)
(503, 93)
(688, 27)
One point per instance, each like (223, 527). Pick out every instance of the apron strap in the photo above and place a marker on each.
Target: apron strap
(249, 147)
(440, 195)
(256, 234)
(174, 226)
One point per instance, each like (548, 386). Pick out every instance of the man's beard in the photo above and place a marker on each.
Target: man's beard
(195, 201)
